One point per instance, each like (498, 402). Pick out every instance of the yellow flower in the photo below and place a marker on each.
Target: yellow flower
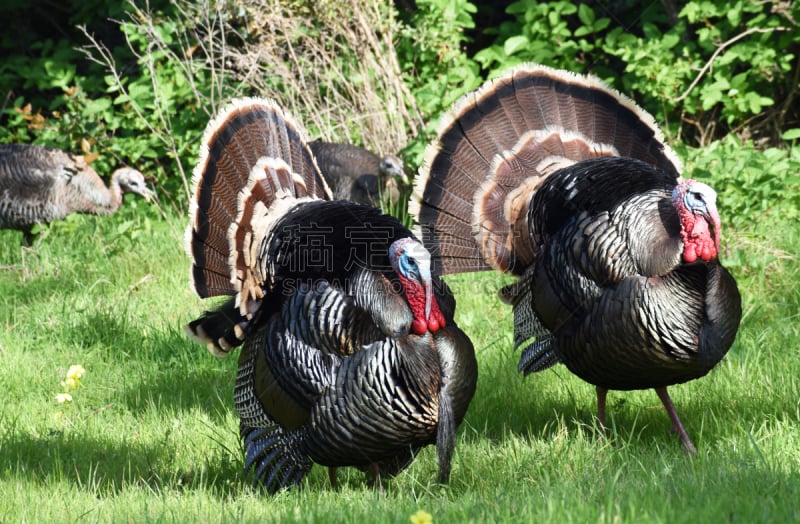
(70, 383)
(75, 372)
(421, 517)
(63, 397)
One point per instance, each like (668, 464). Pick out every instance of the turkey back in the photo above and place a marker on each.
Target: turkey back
(498, 144)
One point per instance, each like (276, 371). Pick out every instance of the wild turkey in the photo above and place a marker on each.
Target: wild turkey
(567, 184)
(39, 184)
(350, 354)
(359, 175)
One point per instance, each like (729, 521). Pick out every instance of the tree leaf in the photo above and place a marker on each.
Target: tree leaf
(514, 44)
(791, 134)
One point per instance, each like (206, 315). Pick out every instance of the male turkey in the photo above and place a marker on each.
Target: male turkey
(359, 175)
(568, 185)
(350, 354)
(39, 184)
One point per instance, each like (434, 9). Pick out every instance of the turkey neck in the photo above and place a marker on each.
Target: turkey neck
(89, 193)
(115, 193)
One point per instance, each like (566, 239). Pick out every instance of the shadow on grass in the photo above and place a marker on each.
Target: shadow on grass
(107, 467)
(543, 406)
(167, 371)
(23, 292)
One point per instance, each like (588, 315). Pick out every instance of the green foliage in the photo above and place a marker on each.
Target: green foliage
(127, 104)
(155, 114)
(543, 33)
(752, 184)
(718, 67)
(434, 63)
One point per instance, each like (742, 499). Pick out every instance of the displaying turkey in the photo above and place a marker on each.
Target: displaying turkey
(350, 356)
(39, 184)
(359, 175)
(567, 184)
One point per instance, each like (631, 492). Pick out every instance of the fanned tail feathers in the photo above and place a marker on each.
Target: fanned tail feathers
(254, 162)
(497, 145)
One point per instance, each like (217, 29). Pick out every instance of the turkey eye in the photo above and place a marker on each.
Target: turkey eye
(412, 261)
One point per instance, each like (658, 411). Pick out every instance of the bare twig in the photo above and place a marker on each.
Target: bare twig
(346, 85)
(719, 50)
(332, 63)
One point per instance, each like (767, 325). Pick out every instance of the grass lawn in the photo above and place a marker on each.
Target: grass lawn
(151, 433)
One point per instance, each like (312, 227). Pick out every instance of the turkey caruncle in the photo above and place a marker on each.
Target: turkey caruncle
(40, 184)
(567, 184)
(350, 354)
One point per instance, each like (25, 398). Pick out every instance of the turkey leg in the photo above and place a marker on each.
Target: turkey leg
(676, 421)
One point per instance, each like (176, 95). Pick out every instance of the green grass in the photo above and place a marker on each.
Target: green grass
(151, 434)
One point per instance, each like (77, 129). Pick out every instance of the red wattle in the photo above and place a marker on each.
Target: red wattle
(689, 254)
(433, 324)
(419, 327)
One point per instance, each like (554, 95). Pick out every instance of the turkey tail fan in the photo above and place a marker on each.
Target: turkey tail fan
(272, 455)
(497, 145)
(249, 132)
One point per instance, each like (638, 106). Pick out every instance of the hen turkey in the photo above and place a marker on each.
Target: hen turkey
(359, 175)
(39, 184)
(568, 185)
(350, 355)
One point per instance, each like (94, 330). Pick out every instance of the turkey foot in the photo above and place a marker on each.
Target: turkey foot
(676, 421)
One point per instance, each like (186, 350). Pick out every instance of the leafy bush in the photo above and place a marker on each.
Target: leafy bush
(709, 69)
(435, 66)
(127, 105)
(752, 184)
(156, 106)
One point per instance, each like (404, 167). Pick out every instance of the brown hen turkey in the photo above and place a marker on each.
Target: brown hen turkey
(350, 355)
(569, 185)
(359, 175)
(40, 184)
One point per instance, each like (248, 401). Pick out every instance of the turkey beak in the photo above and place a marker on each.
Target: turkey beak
(403, 178)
